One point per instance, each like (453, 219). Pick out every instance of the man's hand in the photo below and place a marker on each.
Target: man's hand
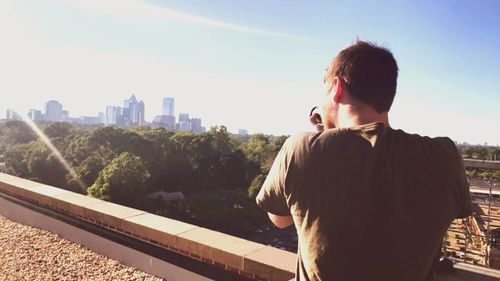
(281, 221)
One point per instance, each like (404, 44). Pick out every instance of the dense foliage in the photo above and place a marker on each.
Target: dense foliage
(219, 173)
(121, 180)
(481, 153)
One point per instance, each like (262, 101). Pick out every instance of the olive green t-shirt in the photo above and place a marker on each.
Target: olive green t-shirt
(368, 202)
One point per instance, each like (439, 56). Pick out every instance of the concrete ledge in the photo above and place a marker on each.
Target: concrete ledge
(159, 229)
(216, 246)
(30, 190)
(277, 265)
(109, 214)
(252, 260)
(74, 203)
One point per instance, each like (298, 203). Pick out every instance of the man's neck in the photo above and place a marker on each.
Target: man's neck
(349, 117)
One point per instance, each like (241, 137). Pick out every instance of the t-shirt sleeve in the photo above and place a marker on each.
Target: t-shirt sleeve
(271, 197)
(462, 191)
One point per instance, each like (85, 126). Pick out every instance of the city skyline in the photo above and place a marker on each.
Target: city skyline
(130, 114)
(257, 65)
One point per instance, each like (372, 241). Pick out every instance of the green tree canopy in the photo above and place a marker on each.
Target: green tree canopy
(255, 186)
(16, 157)
(15, 132)
(122, 180)
(35, 161)
(58, 130)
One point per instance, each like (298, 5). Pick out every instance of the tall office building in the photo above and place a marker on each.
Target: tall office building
(133, 111)
(53, 111)
(196, 125)
(100, 116)
(35, 115)
(113, 115)
(140, 113)
(65, 116)
(165, 121)
(183, 117)
(184, 126)
(168, 106)
(189, 124)
(12, 115)
(242, 132)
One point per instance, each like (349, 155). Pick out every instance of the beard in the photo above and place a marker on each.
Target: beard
(328, 116)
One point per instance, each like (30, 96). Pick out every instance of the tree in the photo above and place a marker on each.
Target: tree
(480, 152)
(156, 155)
(90, 152)
(277, 143)
(229, 211)
(15, 132)
(35, 161)
(255, 186)
(260, 150)
(15, 158)
(122, 180)
(90, 167)
(58, 129)
(44, 166)
(496, 175)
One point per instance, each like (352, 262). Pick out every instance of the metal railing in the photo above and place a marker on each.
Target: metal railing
(476, 239)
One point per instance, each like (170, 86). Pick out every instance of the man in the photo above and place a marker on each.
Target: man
(368, 202)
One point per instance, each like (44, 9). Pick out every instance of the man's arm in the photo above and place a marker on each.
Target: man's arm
(463, 192)
(461, 185)
(281, 221)
(271, 197)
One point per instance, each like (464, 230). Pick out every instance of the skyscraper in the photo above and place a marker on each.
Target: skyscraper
(53, 111)
(196, 125)
(101, 117)
(12, 115)
(168, 106)
(185, 126)
(65, 116)
(113, 115)
(133, 112)
(183, 117)
(35, 115)
(140, 113)
(165, 121)
(189, 124)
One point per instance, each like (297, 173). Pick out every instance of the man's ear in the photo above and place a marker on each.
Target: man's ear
(338, 89)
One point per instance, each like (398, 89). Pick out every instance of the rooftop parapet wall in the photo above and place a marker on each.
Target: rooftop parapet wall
(250, 259)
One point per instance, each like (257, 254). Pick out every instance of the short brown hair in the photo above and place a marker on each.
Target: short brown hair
(369, 73)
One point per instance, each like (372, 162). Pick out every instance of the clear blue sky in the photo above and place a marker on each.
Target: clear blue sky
(256, 64)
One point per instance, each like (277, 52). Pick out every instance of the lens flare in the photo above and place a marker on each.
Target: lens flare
(51, 147)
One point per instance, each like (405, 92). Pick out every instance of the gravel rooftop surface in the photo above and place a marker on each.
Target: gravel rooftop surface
(28, 253)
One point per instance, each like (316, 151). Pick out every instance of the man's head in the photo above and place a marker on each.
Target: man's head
(363, 76)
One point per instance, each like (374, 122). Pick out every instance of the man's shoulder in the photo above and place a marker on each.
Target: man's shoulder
(438, 152)
(303, 141)
(441, 143)
(310, 139)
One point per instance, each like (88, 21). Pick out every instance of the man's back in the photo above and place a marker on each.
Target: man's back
(369, 203)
